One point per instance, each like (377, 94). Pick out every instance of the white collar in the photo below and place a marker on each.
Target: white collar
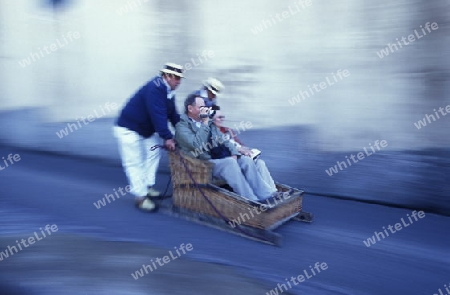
(170, 92)
(203, 93)
(197, 123)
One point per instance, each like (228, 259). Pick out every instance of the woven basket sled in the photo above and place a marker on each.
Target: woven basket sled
(199, 197)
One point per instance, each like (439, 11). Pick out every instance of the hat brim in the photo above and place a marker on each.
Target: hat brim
(213, 91)
(170, 72)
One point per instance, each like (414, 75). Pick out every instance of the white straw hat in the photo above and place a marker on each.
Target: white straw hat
(173, 69)
(214, 85)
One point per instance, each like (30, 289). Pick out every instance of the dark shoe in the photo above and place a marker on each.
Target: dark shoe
(146, 205)
(152, 193)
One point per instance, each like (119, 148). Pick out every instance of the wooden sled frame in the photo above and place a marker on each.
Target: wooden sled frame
(197, 197)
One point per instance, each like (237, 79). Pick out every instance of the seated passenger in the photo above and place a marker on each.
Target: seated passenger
(199, 137)
(218, 121)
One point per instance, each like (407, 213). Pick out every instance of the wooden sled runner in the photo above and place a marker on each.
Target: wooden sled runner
(197, 197)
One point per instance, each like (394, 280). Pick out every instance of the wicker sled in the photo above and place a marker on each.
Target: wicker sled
(197, 197)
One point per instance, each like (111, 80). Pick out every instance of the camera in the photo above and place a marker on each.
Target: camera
(211, 112)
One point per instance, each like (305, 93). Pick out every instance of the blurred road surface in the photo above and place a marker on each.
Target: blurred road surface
(95, 250)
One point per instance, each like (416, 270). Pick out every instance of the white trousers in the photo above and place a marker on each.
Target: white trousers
(265, 174)
(244, 177)
(138, 160)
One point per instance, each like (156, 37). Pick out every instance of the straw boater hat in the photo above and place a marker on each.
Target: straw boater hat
(173, 69)
(214, 85)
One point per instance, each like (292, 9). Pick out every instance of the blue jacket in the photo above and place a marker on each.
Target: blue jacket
(149, 110)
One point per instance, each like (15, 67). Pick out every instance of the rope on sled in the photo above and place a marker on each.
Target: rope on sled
(164, 196)
(238, 226)
(214, 207)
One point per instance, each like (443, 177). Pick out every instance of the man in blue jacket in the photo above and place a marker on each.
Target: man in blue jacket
(143, 124)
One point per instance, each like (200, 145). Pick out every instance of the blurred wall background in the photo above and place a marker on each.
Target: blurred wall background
(264, 60)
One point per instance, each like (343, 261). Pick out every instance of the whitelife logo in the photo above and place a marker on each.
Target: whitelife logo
(423, 123)
(398, 227)
(442, 293)
(72, 127)
(108, 197)
(12, 159)
(299, 279)
(206, 147)
(304, 94)
(53, 47)
(411, 38)
(202, 58)
(243, 217)
(49, 229)
(360, 156)
(161, 261)
(130, 6)
(265, 24)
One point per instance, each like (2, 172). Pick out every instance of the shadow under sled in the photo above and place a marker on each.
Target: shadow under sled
(197, 198)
